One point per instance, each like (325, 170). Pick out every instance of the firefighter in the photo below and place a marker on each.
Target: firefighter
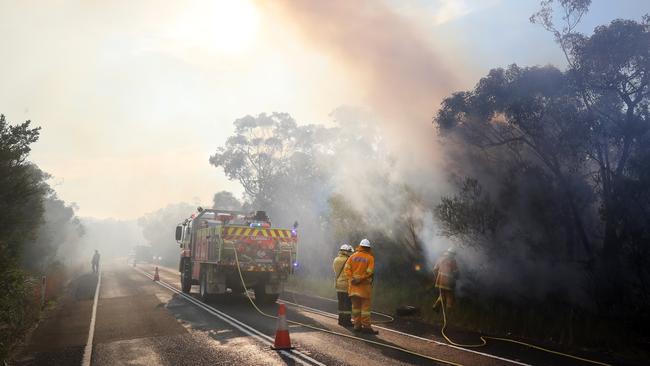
(341, 284)
(446, 273)
(95, 261)
(359, 270)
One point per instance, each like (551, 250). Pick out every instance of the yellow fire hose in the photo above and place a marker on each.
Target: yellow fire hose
(388, 321)
(484, 342)
(404, 350)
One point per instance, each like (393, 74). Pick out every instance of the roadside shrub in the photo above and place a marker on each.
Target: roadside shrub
(19, 306)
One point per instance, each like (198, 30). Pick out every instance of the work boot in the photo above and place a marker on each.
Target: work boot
(346, 321)
(369, 330)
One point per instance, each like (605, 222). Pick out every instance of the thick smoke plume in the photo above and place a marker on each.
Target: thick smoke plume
(401, 73)
(404, 79)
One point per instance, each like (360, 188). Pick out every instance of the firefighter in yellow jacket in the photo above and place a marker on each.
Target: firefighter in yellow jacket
(341, 284)
(360, 269)
(446, 273)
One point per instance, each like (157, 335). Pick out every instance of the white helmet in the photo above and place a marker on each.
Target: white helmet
(365, 243)
(346, 248)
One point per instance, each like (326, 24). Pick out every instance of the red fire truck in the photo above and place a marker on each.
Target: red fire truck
(209, 239)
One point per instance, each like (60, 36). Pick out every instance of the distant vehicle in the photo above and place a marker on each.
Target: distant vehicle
(208, 239)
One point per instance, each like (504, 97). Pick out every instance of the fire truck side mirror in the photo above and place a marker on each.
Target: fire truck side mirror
(179, 232)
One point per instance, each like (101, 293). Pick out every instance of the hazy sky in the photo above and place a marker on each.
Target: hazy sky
(134, 96)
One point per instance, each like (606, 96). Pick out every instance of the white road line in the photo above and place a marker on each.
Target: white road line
(314, 310)
(316, 296)
(331, 315)
(333, 300)
(88, 351)
(324, 313)
(237, 324)
(243, 327)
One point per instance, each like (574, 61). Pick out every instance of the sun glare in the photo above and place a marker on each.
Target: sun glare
(229, 26)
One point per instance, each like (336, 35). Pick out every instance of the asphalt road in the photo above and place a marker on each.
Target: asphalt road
(142, 322)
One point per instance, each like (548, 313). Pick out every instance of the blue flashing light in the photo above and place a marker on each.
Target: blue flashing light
(295, 264)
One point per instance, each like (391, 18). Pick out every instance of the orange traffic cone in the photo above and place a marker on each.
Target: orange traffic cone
(282, 340)
(156, 277)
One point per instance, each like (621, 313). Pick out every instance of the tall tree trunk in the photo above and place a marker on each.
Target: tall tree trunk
(580, 228)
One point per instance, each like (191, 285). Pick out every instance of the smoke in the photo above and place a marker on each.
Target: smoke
(388, 164)
(112, 238)
(404, 78)
(57, 238)
(157, 230)
(432, 242)
(399, 70)
(388, 151)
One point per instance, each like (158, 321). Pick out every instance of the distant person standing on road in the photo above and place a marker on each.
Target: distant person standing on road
(95, 262)
(341, 284)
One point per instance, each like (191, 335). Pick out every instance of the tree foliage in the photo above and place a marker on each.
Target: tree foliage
(524, 127)
(563, 155)
(34, 225)
(265, 153)
(571, 11)
(22, 189)
(57, 238)
(321, 177)
(346, 224)
(470, 213)
(226, 201)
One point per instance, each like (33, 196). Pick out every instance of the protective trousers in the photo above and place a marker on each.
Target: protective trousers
(361, 312)
(345, 306)
(446, 297)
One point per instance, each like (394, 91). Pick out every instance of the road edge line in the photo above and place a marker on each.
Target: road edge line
(326, 314)
(489, 355)
(238, 324)
(88, 350)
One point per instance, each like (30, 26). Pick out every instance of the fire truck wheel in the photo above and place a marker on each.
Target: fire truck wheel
(186, 278)
(262, 297)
